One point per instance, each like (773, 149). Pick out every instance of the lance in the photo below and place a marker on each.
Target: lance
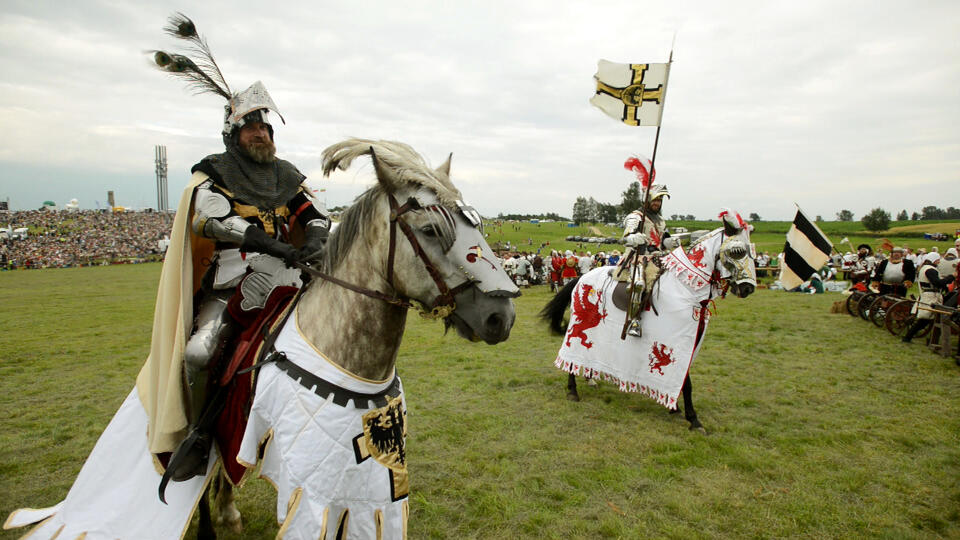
(636, 257)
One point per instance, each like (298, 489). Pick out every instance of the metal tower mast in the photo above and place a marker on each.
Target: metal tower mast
(160, 155)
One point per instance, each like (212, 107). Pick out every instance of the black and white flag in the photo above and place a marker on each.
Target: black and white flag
(806, 250)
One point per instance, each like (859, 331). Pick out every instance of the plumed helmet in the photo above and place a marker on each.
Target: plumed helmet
(658, 190)
(251, 105)
(198, 68)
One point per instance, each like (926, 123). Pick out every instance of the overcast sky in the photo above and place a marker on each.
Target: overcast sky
(830, 105)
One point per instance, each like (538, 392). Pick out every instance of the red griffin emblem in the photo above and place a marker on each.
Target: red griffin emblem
(588, 315)
(660, 357)
(696, 257)
(655, 237)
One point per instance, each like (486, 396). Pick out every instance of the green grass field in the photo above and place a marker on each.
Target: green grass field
(821, 425)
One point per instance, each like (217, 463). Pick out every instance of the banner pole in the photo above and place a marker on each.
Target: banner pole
(635, 257)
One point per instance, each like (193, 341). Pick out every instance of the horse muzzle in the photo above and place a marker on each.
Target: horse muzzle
(743, 289)
(482, 316)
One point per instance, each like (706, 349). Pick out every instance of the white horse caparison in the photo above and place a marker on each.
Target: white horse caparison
(327, 420)
(718, 262)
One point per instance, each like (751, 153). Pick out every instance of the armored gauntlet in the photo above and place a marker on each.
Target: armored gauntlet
(315, 240)
(254, 239)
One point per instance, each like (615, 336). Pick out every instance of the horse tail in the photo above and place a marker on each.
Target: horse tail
(553, 312)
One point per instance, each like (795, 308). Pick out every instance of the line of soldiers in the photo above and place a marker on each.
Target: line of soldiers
(935, 275)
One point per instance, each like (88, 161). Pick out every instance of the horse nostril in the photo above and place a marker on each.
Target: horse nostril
(494, 322)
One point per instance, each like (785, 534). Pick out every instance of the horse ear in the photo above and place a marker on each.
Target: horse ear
(445, 168)
(385, 175)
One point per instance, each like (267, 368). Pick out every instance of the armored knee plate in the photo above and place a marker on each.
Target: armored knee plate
(212, 328)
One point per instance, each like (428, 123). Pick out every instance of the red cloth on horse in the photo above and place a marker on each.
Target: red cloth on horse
(233, 419)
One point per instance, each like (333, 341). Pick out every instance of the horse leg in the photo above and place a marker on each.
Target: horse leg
(227, 513)
(689, 413)
(205, 529)
(572, 394)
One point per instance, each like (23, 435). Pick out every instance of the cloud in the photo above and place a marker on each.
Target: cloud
(829, 105)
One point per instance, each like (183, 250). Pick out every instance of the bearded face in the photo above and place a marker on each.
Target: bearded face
(655, 205)
(254, 140)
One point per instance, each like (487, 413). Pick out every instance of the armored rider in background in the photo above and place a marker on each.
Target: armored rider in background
(246, 210)
(651, 239)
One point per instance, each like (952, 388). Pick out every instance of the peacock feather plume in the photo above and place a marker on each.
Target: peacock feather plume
(197, 66)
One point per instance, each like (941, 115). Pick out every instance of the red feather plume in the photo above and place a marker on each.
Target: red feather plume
(640, 168)
(740, 220)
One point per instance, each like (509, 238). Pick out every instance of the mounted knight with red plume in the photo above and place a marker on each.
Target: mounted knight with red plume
(644, 233)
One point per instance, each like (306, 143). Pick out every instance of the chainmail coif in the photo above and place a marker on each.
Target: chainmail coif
(264, 185)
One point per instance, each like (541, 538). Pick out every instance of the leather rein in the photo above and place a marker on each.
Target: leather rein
(443, 304)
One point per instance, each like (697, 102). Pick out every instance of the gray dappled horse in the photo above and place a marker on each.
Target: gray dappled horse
(327, 421)
(408, 240)
(718, 262)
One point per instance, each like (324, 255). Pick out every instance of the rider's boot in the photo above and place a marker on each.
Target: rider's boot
(214, 328)
(191, 456)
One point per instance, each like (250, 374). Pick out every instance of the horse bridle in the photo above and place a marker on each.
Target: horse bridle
(442, 306)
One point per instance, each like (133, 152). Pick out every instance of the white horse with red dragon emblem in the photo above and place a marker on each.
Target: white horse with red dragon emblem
(657, 363)
(327, 419)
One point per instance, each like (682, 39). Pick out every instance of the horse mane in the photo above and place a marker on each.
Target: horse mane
(352, 222)
(406, 165)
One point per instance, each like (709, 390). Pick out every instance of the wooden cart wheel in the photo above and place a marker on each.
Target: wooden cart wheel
(878, 310)
(899, 318)
(863, 306)
(852, 300)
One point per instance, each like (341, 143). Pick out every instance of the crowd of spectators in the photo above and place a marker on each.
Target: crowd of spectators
(63, 239)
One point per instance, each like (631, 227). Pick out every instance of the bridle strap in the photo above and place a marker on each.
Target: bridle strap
(446, 293)
(446, 297)
(395, 300)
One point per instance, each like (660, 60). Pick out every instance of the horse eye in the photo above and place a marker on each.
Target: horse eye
(429, 231)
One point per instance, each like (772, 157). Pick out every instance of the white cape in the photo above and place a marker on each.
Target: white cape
(115, 494)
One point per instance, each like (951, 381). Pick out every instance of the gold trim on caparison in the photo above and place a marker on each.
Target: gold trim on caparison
(292, 505)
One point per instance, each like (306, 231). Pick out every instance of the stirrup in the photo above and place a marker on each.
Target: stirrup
(188, 460)
(635, 329)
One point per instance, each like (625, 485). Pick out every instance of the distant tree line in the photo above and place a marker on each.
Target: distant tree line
(926, 214)
(878, 219)
(589, 210)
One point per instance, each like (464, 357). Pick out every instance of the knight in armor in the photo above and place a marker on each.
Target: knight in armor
(933, 280)
(645, 235)
(895, 275)
(237, 226)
